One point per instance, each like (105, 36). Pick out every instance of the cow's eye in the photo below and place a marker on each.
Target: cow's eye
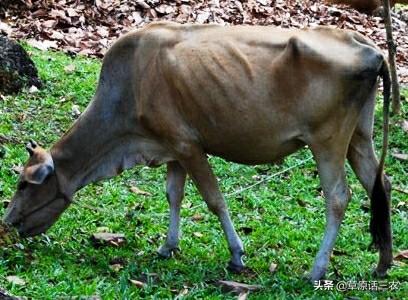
(22, 185)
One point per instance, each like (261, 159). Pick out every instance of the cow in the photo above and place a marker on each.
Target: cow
(173, 94)
(366, 6)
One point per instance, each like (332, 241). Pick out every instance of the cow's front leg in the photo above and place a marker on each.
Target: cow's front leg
(200, 171)
(176, 178)
(336, 192)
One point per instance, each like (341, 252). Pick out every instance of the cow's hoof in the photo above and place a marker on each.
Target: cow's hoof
(380, 272)
(167, 252)
(308, 277)
(316, 274)
(234, 268)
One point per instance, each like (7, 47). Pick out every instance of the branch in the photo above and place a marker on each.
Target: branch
(392, 49)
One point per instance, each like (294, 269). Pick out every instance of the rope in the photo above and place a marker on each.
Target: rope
(269, 177)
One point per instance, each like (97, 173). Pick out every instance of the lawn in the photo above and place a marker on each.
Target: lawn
(281, 220)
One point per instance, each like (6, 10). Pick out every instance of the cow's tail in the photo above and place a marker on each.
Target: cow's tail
(380, 224)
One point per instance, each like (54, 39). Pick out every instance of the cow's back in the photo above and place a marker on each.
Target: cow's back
(230, 88)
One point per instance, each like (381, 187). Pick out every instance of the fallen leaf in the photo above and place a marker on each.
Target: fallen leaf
(236, 287)
(263, 2)
(42, 45)
(401, 255)
(56, 35)
(400, 156)
(69, 68)
(33, 89)
(138, 191)
(202, 17)
(5, 28)
(72, 12)
(49, 23)
(198, 234)
(75, 110)
(137, 283)
(15, 280)
(116, 267)
(102, 229)
(186, 205)
(18, 169)
(197, 217)
(404, 125)
(243, 296)
(401, 204)
(137, 18)
(143, 4)
(273, 267)
(8, 235)
(182, 293)
(106, 238)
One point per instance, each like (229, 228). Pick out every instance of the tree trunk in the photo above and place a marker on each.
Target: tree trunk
(17, 70)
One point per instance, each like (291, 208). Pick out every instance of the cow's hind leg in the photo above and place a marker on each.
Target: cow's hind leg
(176, 178)
(200, 171)
(330, 163)
(362, 158)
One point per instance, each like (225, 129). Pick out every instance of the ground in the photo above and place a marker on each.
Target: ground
(280, 220)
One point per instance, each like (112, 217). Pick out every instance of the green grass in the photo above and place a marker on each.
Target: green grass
(274, 227)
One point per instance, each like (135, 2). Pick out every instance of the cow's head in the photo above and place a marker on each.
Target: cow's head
(39, 201)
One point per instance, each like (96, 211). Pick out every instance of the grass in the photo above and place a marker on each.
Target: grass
(280, 221)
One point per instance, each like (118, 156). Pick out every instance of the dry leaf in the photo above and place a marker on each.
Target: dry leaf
(186, 205)
(70, 69)
(106, 238)
(402, 255)
(33, 89)
(102, 229)
(15, 280)
(137, 283)
(243, 296)
(273, 267)
(404, 125)
(75, 110)
(143, 4)
(236, 287)
(42, 45)
(49, 23)
(5, 28)
(18, 169)
(56, 35)
(400, 156)
(137, 191)
(197, 217)
(182, 293)
(8, 235)
(202, 17)
(72, 12)
(116, 267)
(198, 234)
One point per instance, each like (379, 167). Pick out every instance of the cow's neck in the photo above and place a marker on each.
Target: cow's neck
(95, 147)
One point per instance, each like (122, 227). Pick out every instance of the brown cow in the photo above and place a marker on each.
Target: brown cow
(171, 93)
(366, 6)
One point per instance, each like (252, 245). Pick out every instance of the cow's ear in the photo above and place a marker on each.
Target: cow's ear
(36, 174)
(40, 164)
